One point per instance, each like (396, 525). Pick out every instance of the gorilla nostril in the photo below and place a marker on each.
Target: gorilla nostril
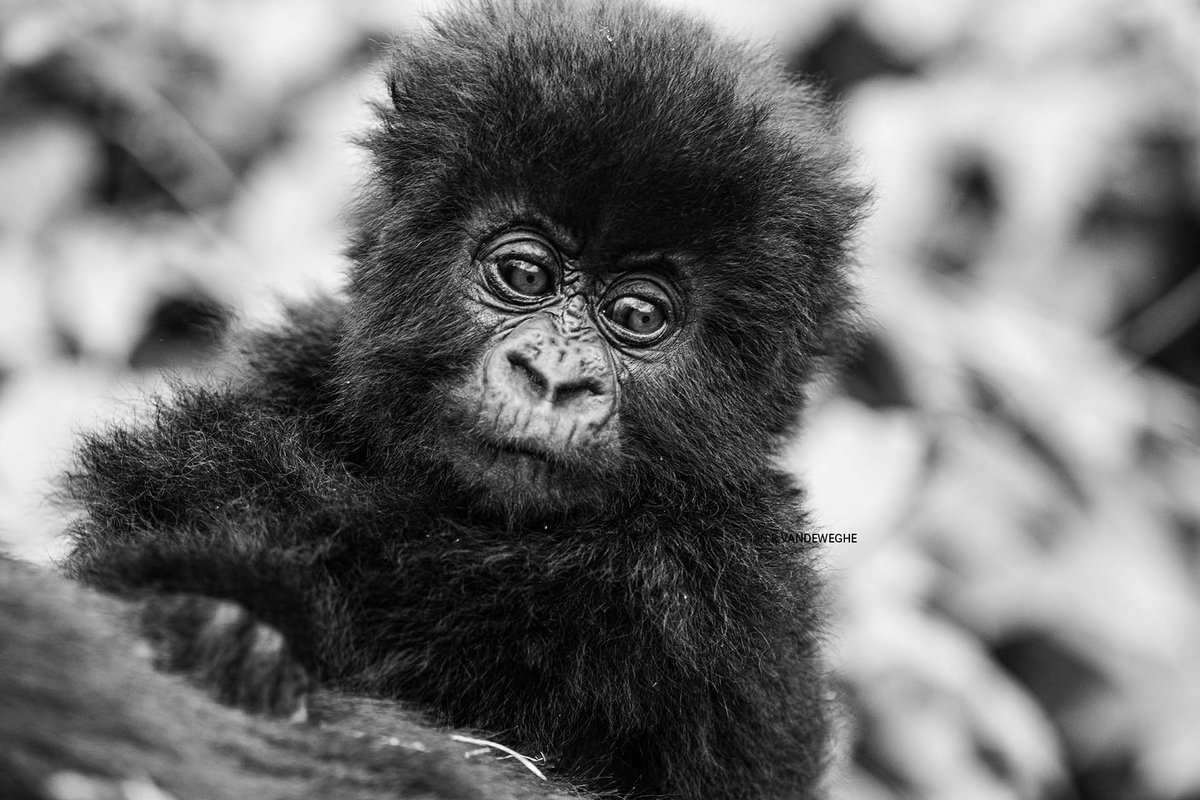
(524, 368)
(581, 388)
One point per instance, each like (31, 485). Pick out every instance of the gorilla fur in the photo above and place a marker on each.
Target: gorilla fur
(83, 714)
(654, 631)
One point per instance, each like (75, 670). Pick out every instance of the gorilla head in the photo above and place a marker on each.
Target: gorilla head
(640, 252)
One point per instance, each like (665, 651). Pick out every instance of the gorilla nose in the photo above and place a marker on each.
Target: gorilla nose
(559, 379)
(549, 391)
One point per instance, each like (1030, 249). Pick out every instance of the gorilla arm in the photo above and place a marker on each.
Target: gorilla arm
(84, 714)
(171, 521)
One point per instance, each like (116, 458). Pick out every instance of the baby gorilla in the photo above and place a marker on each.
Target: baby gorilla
(522, 475)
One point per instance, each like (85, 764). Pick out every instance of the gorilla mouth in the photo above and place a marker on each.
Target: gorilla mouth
(520, 450)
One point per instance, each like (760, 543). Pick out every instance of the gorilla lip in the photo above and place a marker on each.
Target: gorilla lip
(519, 449)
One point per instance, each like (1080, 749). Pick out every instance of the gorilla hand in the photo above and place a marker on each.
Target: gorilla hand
(220, 646)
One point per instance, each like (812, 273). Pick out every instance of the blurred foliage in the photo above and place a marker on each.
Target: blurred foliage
(1017, 445)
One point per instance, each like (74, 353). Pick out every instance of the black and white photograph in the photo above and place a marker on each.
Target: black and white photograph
(599, 400)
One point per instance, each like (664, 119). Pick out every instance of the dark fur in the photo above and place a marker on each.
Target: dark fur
(660, 635)
(81, 708)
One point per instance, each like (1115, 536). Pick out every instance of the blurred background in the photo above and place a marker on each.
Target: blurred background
(1017, 447)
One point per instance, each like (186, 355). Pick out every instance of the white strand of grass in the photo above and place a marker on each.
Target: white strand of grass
(528, 762)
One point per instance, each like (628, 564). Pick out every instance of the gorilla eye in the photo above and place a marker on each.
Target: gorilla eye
(525, 278)
(638, 312)
(520, 267)
(636, 315)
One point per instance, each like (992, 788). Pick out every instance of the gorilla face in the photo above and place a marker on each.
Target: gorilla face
(547, 352)
(538, 422)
